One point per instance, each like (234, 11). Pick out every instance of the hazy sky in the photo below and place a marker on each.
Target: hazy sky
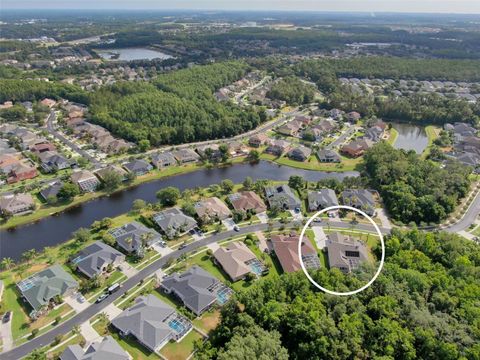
(445, 6)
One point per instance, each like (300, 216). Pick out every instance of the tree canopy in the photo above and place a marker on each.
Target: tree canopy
(424, 305)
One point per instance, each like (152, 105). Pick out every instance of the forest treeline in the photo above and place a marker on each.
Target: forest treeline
(413, 189)
(175, 108)
(292, 90)
(424, 305)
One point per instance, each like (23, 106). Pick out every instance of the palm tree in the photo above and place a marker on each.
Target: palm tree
(29, 255)
(7, 263)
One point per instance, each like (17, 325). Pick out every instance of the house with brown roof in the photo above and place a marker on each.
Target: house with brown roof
(345, 252)
(42, 147)
(16, 204)
(258, 140)
(236, 148)
(357, 147)
(247, 201)
(291, 128)
(237, 260)
(212, 209)
(286, 250)
(48, 102)
(353, 116)
(21, 171)
(86, 180)
(278, 147)
(111, 168)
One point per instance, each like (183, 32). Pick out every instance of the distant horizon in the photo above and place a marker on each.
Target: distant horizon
(454, 7)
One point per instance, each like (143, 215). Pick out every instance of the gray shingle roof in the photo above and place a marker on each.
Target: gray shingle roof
(93, 259)
(107, 349)
(130, 236)
(192, 287)
(173, 220)
(359, 198)
(321, 199)
(147, 320)
(43, 286)
(282, 196)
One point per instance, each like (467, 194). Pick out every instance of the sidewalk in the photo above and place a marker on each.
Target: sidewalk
(88, 332)
(6, 335)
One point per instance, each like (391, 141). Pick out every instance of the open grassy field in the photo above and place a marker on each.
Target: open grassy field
(312, 163)
(182, 349)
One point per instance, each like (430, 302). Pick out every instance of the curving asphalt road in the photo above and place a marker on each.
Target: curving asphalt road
(468, 218)
(94, 309)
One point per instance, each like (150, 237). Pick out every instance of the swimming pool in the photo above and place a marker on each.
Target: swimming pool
(177, 326)
(256, 267)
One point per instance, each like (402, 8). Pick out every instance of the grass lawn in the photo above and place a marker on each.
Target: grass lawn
(208, 321)
(76, 340)
(432, 133)
(347, 164)
(134, 348)
(182, 349)
(393, 136)
(476, 231)
(114, 277)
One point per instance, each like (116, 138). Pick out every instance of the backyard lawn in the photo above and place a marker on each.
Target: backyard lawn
(182, 349)
(208, 321)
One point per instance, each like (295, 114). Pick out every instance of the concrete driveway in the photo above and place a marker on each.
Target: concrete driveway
(263, 217)
(6, 334)
(229, 223)
(320, 237)
(162, 250)
(88, 332)
(75, 304)
(112, 311)
(127, 269)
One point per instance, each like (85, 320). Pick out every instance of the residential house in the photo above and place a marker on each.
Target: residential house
(336, 114)
(197, 289)
(42, 147)
(282, 197)
(237, 260)
(134, 237)
(16, 204)
(100, 173)
(321, 199)
(138, 167)
(186, 155)
(345, 252)
(277, 147)
(209, 151)
(353, 116)
(360, 199)
(48, 102)
(286, 250)
(300, 153)
(86, 180)
(53, 161)
(328, 156)
(247, 201)
(236, 148)
(174, 222)
(162, 160)
(40, 289)
(9, 161)
(152, 323)
(95, 259)
(212, 209)
(258, 140)
(21, 171)
(51, 190)
(291, 128)
(357, 147)
(304, 120)
(106, 348)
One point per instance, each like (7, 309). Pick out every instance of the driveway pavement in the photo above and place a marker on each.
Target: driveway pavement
(320, 237)
(112, 311)
(228, 223)
(88, 332)
(6, 334)
(263, 217)
(382, 215)
(162, 250)
(127, 269)
(75, 304)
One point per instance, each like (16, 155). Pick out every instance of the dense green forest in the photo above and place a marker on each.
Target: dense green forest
(292, 90)
(412, 189)
(175, 108)
(384, 67)
(32, 90)
(424, 305)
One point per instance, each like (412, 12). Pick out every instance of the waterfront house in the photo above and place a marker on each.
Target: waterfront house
(95, 259)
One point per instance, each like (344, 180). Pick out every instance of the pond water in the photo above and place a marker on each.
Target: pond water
(130, 54)
(56, 229)
(410, 137)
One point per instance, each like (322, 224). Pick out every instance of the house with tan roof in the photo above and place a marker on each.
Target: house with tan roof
(237, 260)
(86, 180)
(247, 201)
(21, 171)
(212, 209)
(286, 250)
(345, 252)
(16, 204)
(258, 140)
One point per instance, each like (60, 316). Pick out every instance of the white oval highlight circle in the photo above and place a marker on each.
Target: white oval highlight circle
(382, 260)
